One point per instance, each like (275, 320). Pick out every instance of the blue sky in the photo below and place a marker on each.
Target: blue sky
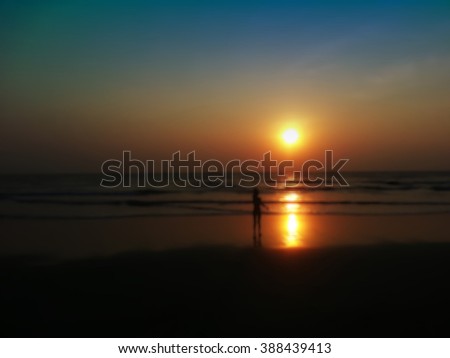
(88, 79)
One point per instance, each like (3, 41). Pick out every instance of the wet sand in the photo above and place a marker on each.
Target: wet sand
(72, 239)
(334, 276)
(367, 291)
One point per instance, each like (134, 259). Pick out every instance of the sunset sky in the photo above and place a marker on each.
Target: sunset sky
(81, 81)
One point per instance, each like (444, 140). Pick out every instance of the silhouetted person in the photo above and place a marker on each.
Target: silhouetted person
(257, 203)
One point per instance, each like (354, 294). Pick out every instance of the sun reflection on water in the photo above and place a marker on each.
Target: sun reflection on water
(292, 224)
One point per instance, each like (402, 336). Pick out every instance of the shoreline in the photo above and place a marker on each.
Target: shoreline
(71, 239)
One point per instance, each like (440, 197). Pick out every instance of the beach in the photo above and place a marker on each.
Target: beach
(64, 239)
(367, 261)
(367, 291)
(224, 169)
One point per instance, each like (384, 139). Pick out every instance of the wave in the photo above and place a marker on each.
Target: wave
(149, 203)
(102, 193)
(230, 213)
(279, 188)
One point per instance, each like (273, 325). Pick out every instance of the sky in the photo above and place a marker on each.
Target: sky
(82, 81)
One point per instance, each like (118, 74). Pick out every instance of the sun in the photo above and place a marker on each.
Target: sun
(290, 136)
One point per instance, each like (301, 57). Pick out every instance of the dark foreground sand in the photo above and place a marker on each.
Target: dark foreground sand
(372, 291)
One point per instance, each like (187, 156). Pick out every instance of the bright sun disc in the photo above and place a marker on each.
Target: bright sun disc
(290, 136)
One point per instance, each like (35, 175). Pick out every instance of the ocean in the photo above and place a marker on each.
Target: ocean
(80, 196)
(73, 215)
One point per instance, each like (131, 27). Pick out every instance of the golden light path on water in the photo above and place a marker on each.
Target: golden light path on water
(292, 224)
